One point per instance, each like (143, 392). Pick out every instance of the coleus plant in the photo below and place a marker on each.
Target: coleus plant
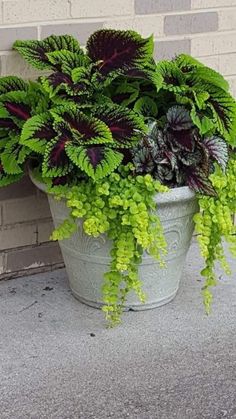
(19, 101)
(77, 125)
(109, 111)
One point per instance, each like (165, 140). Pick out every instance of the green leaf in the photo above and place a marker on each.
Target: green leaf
(12, 83)
(146, 107)
(126, 93)
(35, 52)
(56, 162)
(223, 107)
(186, 62)
(67, 61)
(6, 180)
(204, 123)
(173, 79)
(208, 75)
(37, 132)
(9, 158)
(201, 98)
(96, 161)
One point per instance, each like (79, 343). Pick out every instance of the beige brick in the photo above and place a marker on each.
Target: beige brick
(227, 19)
(44, 231)
(9, 35)
(158, 6)
(18, 190)
(207, 4)
(40, 256)
(18, 11)
(213, 44)
(165, 50)
(227, 64)
(232, 83)
(13, 64)
(25, 209)
(18, 235)
(1, 13)
(146, 25)
(191, 23)
(80, 31)
(223, 63)
(212, 61)
(100, 8)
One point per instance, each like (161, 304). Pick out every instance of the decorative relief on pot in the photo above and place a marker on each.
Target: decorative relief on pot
(88, 245)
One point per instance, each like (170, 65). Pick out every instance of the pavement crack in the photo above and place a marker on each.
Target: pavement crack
(27, 307)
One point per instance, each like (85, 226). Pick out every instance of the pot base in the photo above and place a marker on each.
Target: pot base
(128, 307)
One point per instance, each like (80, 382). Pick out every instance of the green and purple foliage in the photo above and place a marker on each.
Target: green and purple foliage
(177, 154)
(94, 106)
(79, 126)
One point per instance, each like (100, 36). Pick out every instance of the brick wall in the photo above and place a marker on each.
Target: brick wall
(203, 28)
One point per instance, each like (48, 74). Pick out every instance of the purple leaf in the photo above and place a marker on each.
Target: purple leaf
(95, 155)
(217, 149)
(57, 78)
(198, 181)
(118, 50)
(18, 110)
(179, 118)
(86, 128)
(60, 180)
(8, 123)
(57, 156)
(124, 124)
(183, 139)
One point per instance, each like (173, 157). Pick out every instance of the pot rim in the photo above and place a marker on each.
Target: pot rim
(182, 193)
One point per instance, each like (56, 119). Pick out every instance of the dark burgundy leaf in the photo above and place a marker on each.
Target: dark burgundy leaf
(57, 78)
(18, 110)
(198, 181)
(179, 118)
(84, 127)
(8, 123)
(95, 155)
(60, 180)
(120, 97)
(217, 149)
(183, 139)
(46, 132)
(123, 123)
(57, 155)
(113, 50)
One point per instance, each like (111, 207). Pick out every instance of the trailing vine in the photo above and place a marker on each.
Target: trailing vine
(215, 225)
(122, 207)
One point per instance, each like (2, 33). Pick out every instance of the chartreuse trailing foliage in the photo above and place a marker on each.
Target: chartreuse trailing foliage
(215, 225)
(121, 206)
(108, 128)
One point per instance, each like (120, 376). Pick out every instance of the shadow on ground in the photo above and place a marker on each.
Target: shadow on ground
(58, 361)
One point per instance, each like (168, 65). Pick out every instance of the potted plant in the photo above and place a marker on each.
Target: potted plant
(131, 153)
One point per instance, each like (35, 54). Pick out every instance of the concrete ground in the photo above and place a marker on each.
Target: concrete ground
(58, 361)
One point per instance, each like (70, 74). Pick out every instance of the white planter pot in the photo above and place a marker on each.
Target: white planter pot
(87, 258)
